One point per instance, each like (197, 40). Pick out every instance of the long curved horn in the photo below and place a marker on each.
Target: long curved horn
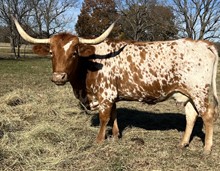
(99, 39)
(26, 37)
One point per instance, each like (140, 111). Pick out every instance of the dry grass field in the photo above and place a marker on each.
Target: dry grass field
(42, 127)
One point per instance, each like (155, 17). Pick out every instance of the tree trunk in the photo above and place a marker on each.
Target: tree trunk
(13, 47)
(18, 47)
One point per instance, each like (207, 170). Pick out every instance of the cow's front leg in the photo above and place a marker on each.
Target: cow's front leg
(104, 117)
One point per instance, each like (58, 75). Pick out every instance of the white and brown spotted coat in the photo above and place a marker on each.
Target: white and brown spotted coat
(150, 72)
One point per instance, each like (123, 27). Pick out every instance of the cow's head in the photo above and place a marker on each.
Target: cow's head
(65, 49)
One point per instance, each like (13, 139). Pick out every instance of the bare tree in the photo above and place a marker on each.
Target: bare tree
(134, 14)
(18, 8)
(198, 19)
(50, 16)
(4, 32)
(39, 17)
(146, 20)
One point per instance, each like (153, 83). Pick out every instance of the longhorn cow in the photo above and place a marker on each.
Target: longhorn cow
(103, 72)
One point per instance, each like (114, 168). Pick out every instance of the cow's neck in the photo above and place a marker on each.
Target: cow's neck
(78, 82)
(78, 77)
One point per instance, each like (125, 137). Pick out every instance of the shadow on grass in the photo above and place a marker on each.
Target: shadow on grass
(154, 121)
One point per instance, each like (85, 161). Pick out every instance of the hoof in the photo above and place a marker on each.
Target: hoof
(112, 138)
(99, 140)
(182, 145)
(206, 152)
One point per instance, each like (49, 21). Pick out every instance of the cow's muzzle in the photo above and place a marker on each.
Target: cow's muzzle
(59, 78)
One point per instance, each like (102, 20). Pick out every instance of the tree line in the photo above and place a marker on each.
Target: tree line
(139, 20)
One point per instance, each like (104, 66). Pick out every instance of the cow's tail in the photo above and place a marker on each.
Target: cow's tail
(214, 75)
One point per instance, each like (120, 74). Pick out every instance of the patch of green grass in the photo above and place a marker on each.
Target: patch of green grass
(24, 73)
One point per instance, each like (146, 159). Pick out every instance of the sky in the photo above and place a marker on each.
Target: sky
(76, 11)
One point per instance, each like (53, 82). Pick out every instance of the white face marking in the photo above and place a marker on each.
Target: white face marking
(67, 46)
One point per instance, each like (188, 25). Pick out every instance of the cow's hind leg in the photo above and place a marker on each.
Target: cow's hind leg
(191, 115)
(208, 120)
(207, 109)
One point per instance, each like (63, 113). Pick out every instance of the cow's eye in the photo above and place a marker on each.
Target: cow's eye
(74, 53)
(51, 53)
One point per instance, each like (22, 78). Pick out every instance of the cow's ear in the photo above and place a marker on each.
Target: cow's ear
(41, 49)
(86, 50)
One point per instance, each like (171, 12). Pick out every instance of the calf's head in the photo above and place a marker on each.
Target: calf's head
(65, 50)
